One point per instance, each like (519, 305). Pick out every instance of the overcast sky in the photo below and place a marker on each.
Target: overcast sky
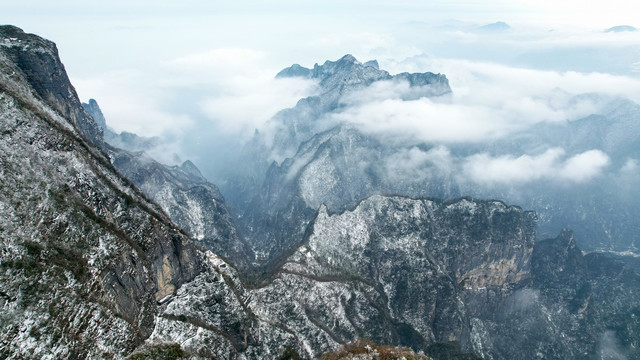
(97, 36)
(204, 69)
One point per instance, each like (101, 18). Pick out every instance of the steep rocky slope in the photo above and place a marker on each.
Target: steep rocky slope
(394, 270)
(37, 61)
(191, 202)
(84, 256)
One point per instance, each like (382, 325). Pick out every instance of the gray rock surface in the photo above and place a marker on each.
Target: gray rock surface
(192, 202)
(84, 256)
(37, 61)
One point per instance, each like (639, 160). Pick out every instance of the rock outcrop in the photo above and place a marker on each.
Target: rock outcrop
(85, 257)
(36, 60)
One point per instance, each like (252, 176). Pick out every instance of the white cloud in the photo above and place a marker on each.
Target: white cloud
(493, 83)
(488, 101)
(130, 102)
(630, 166)
(424, 120)
(507, 169)
(233, 89)
(584, 166)
(243, 92)
(249, 107)
(418, 165)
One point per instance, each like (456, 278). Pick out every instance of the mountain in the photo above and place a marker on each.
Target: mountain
(85, 256)
(601, 211)
(621, 28)
(447, 278)
(90, 267)
(190, 201)
(394, 270)
(338, 163)
(337, 80)
(273, 200)
(495, 27)
(36, 61)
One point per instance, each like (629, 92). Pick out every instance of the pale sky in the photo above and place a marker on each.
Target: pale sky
(105, 35)
(198, 71)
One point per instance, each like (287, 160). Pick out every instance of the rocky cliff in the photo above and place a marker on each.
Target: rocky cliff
(394, 270)
(36, 60)
(192, 202)
(447, 278)
(85, 257)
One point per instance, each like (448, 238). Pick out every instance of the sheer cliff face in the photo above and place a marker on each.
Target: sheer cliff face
(192, 202)
(412, 272)
(84, 256)
(37, 61)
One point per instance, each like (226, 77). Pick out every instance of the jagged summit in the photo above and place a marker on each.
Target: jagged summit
(124, 140)
(96, 113)
(294, 70)
(191, 168)
(349, 73)
(346, 71)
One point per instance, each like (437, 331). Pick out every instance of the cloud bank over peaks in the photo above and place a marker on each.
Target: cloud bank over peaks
(242, 91)
(552, 164)
(489, 170)
(489, 101)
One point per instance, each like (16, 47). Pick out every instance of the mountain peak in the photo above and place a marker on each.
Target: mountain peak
(498, 26)
(373, 64)
(38, 62)
(294, 70)
(94, 110)
(349, 59)
(191, 168)
(621, 28)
